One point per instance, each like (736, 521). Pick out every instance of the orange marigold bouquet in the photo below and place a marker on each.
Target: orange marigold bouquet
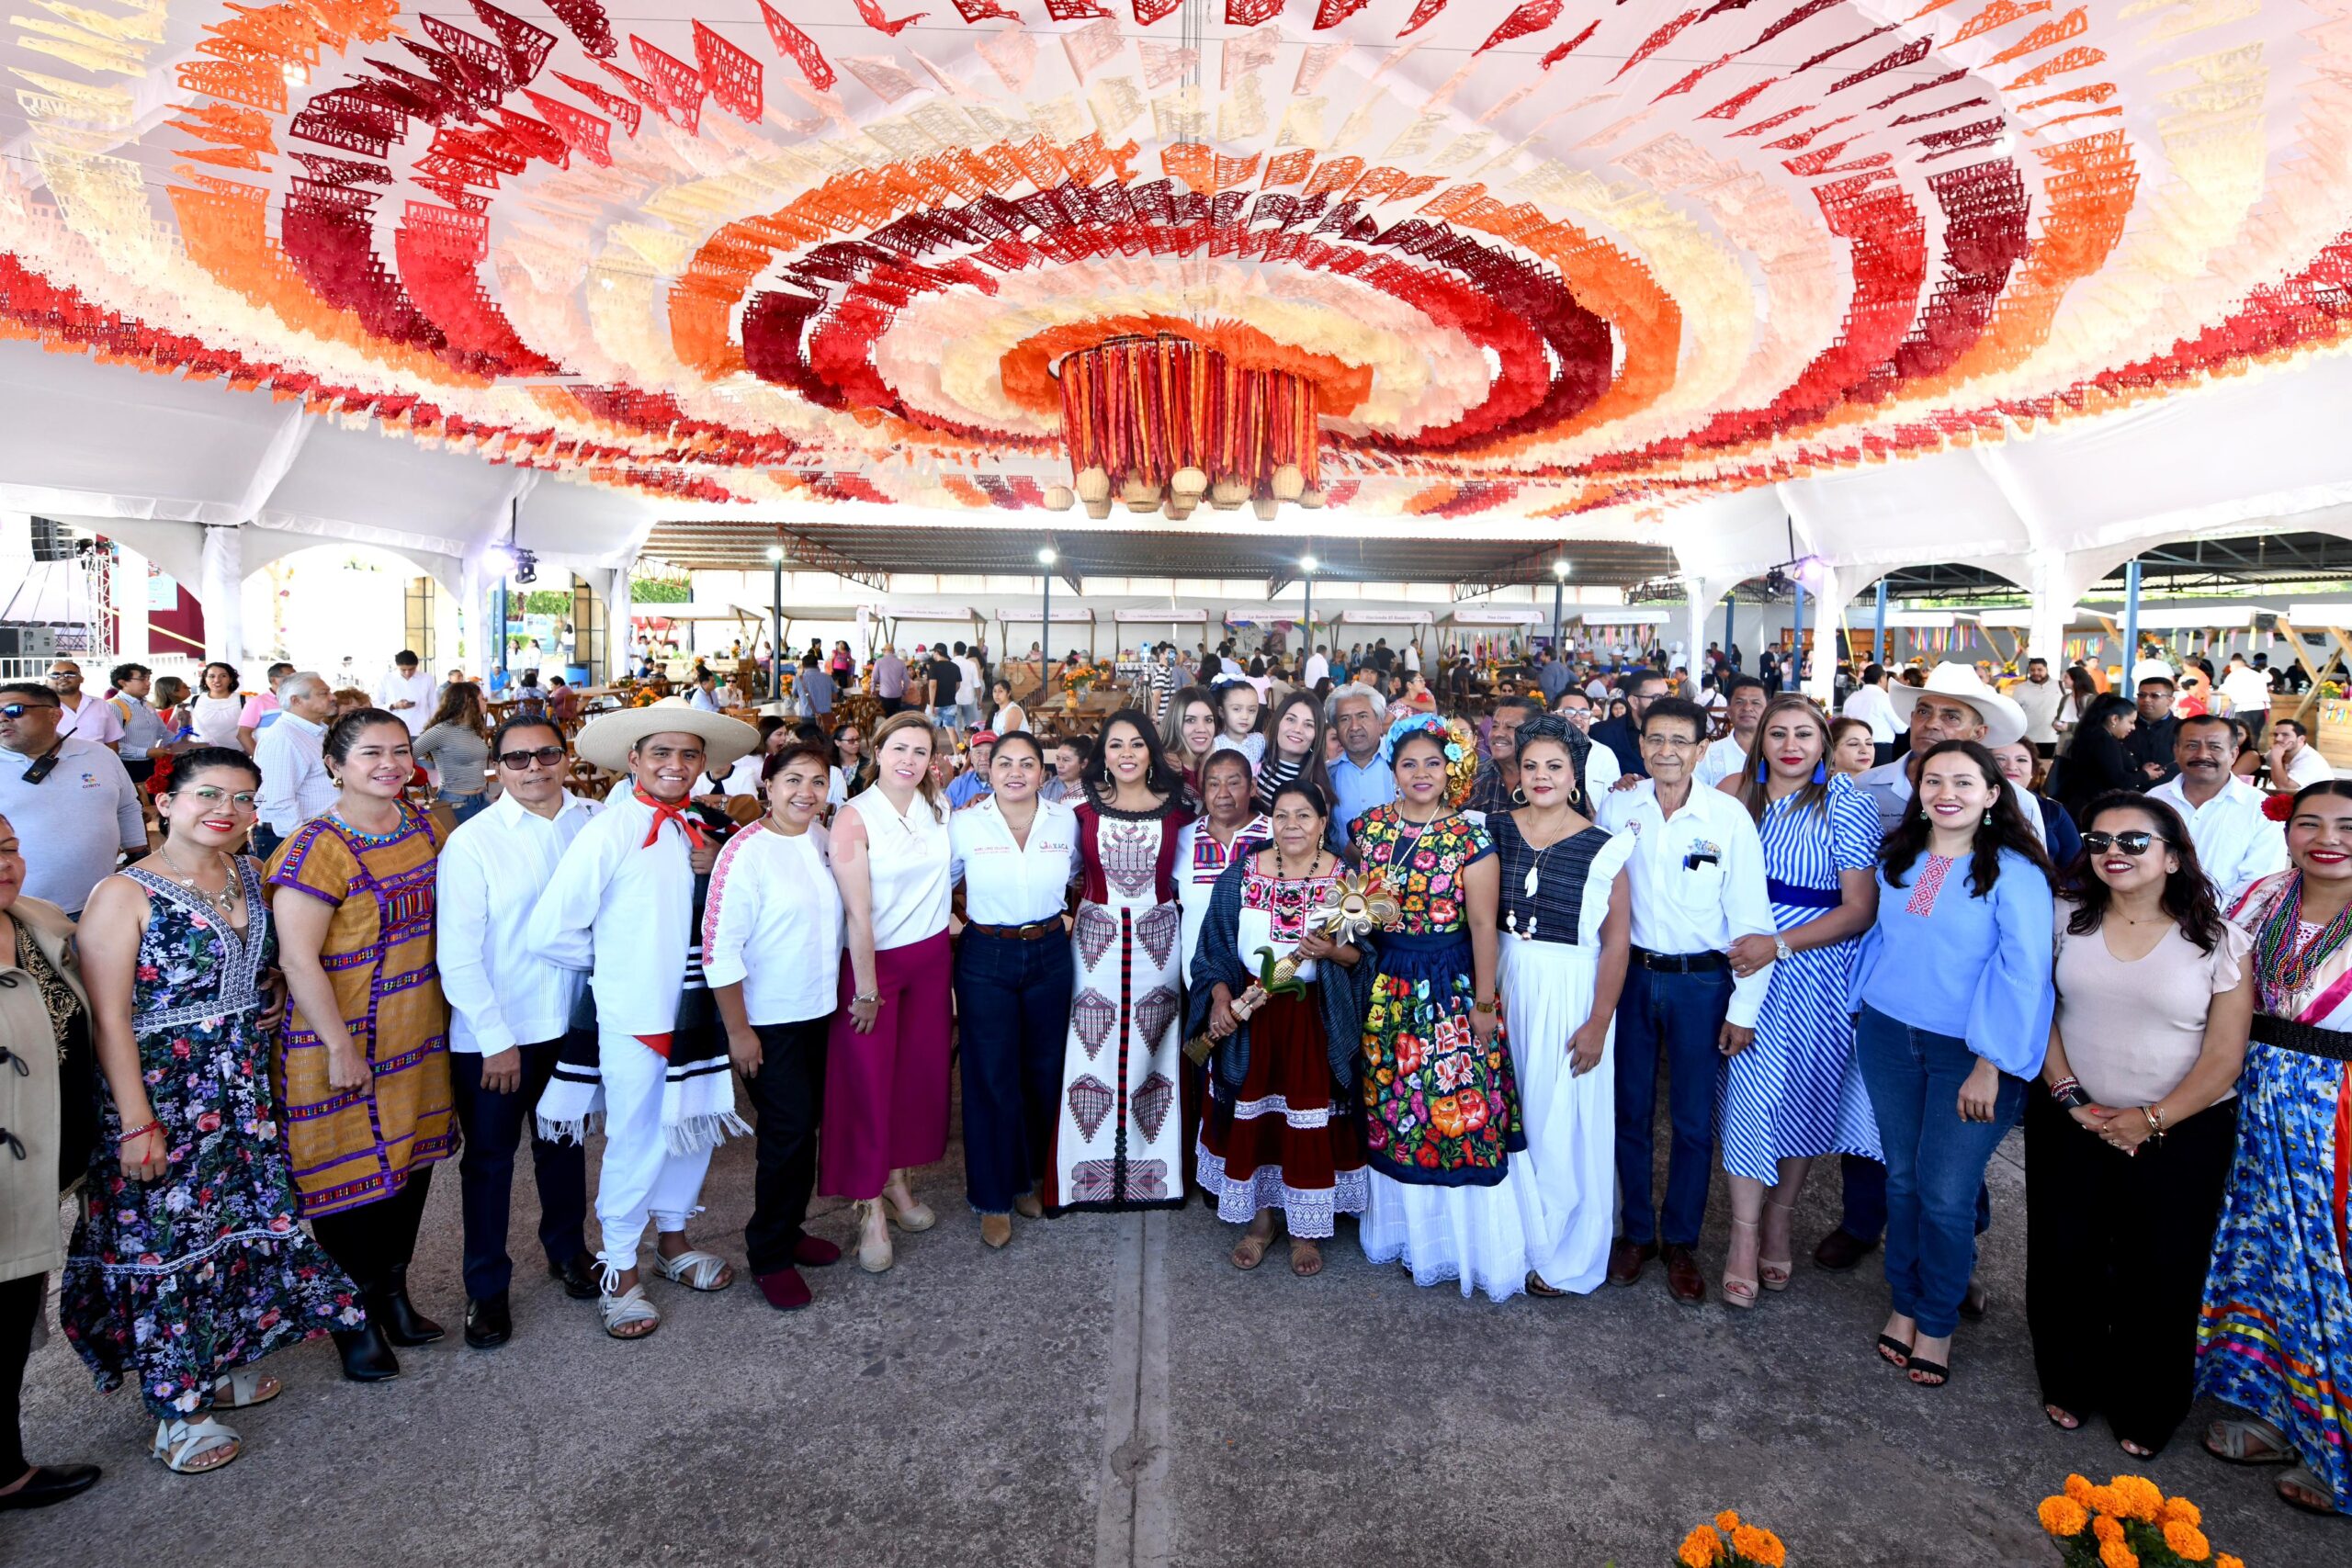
(2128, 1523)
(1728, 1543)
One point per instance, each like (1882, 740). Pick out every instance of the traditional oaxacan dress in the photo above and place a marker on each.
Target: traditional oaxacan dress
(1280, 1131)
(178, 1282)
(351, 1149)
(1118, 1141)
(2276, 1337)
(1553, 901)
(1794, 1093)
(1442, 1116)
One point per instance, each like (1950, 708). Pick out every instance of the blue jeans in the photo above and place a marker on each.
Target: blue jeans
(1862, 1181)
(1013, 1002)
(464, 807)
(1682, 1016)
(1935, 1161)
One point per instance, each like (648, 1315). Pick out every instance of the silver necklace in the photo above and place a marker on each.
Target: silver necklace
(226, 899)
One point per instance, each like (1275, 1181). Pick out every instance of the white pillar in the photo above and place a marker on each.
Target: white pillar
(222, 593)
(2057, 581)
(1825, 611)
(1702, 594)
(616, 622)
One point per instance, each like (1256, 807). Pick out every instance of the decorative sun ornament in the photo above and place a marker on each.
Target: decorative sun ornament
(1158, 423)
(1355, 906)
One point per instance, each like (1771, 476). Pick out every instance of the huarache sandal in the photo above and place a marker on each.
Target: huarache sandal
(623, 1313)
(2300, 1489)
(697, 1270)
(195, 1448)
(244, 1388)
(2249, 1442)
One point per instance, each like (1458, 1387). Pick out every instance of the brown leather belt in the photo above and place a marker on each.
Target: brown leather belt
(1035, 930)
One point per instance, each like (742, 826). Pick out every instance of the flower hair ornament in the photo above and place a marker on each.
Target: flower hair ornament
(1405, 728)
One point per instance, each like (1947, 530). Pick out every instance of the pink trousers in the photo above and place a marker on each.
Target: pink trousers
(886, 1093)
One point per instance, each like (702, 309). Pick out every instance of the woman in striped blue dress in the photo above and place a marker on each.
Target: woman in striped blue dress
(1791, 1097)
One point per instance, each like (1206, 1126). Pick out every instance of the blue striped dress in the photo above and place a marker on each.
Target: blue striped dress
(1793, 1094)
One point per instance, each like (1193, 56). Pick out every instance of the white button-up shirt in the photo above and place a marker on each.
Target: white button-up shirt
(1720, 760)
(2236, 842)
(1681, 908)
(773, 924)
(1006, 883)
(622, 910)
(1875, 707)
(94, 721)
(415, 689)
(295, 785)
(489, 879)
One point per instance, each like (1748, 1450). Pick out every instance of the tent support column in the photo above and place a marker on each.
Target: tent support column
(1878, 634)
(2130, 623)
(617, 606)
(223, 586)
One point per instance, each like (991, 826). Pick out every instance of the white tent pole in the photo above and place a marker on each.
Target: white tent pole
(222, 593)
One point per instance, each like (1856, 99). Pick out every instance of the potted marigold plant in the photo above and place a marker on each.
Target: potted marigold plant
(2128, 1523)
(1728, 1543)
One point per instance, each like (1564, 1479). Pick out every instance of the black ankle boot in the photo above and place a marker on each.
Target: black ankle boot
(367, 1354)
(403, 1324)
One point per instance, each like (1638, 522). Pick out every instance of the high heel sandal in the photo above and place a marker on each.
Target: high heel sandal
(1740, 1290)
(1776, 1272)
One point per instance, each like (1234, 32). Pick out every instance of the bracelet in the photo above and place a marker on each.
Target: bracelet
(2155, 1122)
(877, 997)
(1484, 1010)
(2058, 1090)
(140, 1132)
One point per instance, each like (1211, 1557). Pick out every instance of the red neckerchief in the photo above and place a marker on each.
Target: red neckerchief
(663, 812)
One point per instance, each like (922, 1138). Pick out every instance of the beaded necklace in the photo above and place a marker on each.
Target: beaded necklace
(2282, 968)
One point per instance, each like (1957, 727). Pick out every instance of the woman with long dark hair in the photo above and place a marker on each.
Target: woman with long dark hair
(1953, 992)
(1791, 1096)
(456, 745)
(213, 715)
(1118, 1135)
(2278, 1309)
(1188, 730)
(1293, 749)
(2099, 760)
(2129, 1133)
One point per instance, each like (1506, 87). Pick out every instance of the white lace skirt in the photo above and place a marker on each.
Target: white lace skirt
(1571, 1120)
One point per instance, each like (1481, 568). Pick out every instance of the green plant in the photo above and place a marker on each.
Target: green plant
(659, 591)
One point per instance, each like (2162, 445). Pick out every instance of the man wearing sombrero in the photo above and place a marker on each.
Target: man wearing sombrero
(1955, 703)
(623, 905)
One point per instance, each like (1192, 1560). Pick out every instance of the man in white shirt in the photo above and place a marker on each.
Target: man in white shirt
(90, 718)
(1727, 756)
(1871, 704)
(74, 809)
(2236, 842)
(295, 783)
(2038, 695)
(509, 1012)
(1319, 666)
(1601, 768)
(621, 906)
(2294, 760)
(1412, 658)
(970, 693)
(405, 690)
(2249, 694)
(1697, 882)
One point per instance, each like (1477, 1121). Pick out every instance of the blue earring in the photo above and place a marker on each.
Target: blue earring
(1763, 771)
(1820, 772)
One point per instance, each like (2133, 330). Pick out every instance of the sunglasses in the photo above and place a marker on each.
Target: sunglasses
(2135, 842)
(546, 757)
(18, 710)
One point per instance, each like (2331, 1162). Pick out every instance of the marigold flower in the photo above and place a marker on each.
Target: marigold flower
(2115, 1554)
(1727, 1520)
(1700, 1549)
(2141, 1497)
(2080, 1489)
(2103, 1500)
(2226, 1561)
(2063, 1517)
(2180, 1508)
(2187, 1542)
(2107, 1529)
(1758, 1546)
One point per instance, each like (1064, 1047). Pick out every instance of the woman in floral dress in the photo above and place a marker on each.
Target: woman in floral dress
(1442, 1115)
(187, 1265)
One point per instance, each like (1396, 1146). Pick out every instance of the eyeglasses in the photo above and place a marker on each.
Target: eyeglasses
(2133, 844)
(18, 710)
(1673, 742)
(546, 757)
(242, 800)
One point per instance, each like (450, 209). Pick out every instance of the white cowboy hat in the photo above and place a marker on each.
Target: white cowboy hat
(2004, 720)
(605, 739)
(2153, 669)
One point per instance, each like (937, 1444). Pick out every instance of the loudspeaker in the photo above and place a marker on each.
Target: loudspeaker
(52, 540)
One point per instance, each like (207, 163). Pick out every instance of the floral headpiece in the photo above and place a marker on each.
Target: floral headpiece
(1405, 728)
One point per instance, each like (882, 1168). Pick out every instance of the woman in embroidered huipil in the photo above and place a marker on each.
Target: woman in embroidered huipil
(1442, 1115)
(1280, 1135)
(186, 1263)
(1117, 1138)
(364, 1058)
(2276, 1336)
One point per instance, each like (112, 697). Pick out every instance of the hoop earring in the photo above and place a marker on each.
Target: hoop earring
(1519, 796)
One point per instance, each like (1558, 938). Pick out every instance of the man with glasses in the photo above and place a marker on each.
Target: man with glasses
(1696, 880)
(90, 718)
(69, 798)
(509, 1012)
(142, 732)
(2236, 842)
(1602, 769)
(295, 783)
(1624, 736)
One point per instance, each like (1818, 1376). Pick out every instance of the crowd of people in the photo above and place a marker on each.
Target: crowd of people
(1308, 937)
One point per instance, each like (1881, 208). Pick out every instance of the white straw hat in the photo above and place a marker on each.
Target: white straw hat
(2004, 720)
(606, 738)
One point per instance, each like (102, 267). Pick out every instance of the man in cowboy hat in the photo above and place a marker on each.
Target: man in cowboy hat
(1954, 704)
(622, 905)
(2152, 741)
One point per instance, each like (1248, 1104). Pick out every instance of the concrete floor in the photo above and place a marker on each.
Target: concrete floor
(1109, 1391)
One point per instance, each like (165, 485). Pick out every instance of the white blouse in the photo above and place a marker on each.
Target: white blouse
(772, 921)
(1006, 883)
(214, 719)
(1200, 861)
(908, 861)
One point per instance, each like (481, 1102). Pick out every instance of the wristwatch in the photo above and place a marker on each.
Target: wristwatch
(1779, 947)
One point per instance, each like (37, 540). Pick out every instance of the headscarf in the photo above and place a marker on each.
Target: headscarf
(1551, 727)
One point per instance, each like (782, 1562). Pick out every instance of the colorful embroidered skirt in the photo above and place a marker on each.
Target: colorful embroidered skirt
(1439, 1110)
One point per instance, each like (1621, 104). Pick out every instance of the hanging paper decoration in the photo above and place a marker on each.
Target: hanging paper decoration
(798, 48)
(872, 11)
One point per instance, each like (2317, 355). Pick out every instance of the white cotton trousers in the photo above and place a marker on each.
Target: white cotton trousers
(639, 1178)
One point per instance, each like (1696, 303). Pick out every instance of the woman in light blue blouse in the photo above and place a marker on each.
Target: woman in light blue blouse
(1952, 998)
